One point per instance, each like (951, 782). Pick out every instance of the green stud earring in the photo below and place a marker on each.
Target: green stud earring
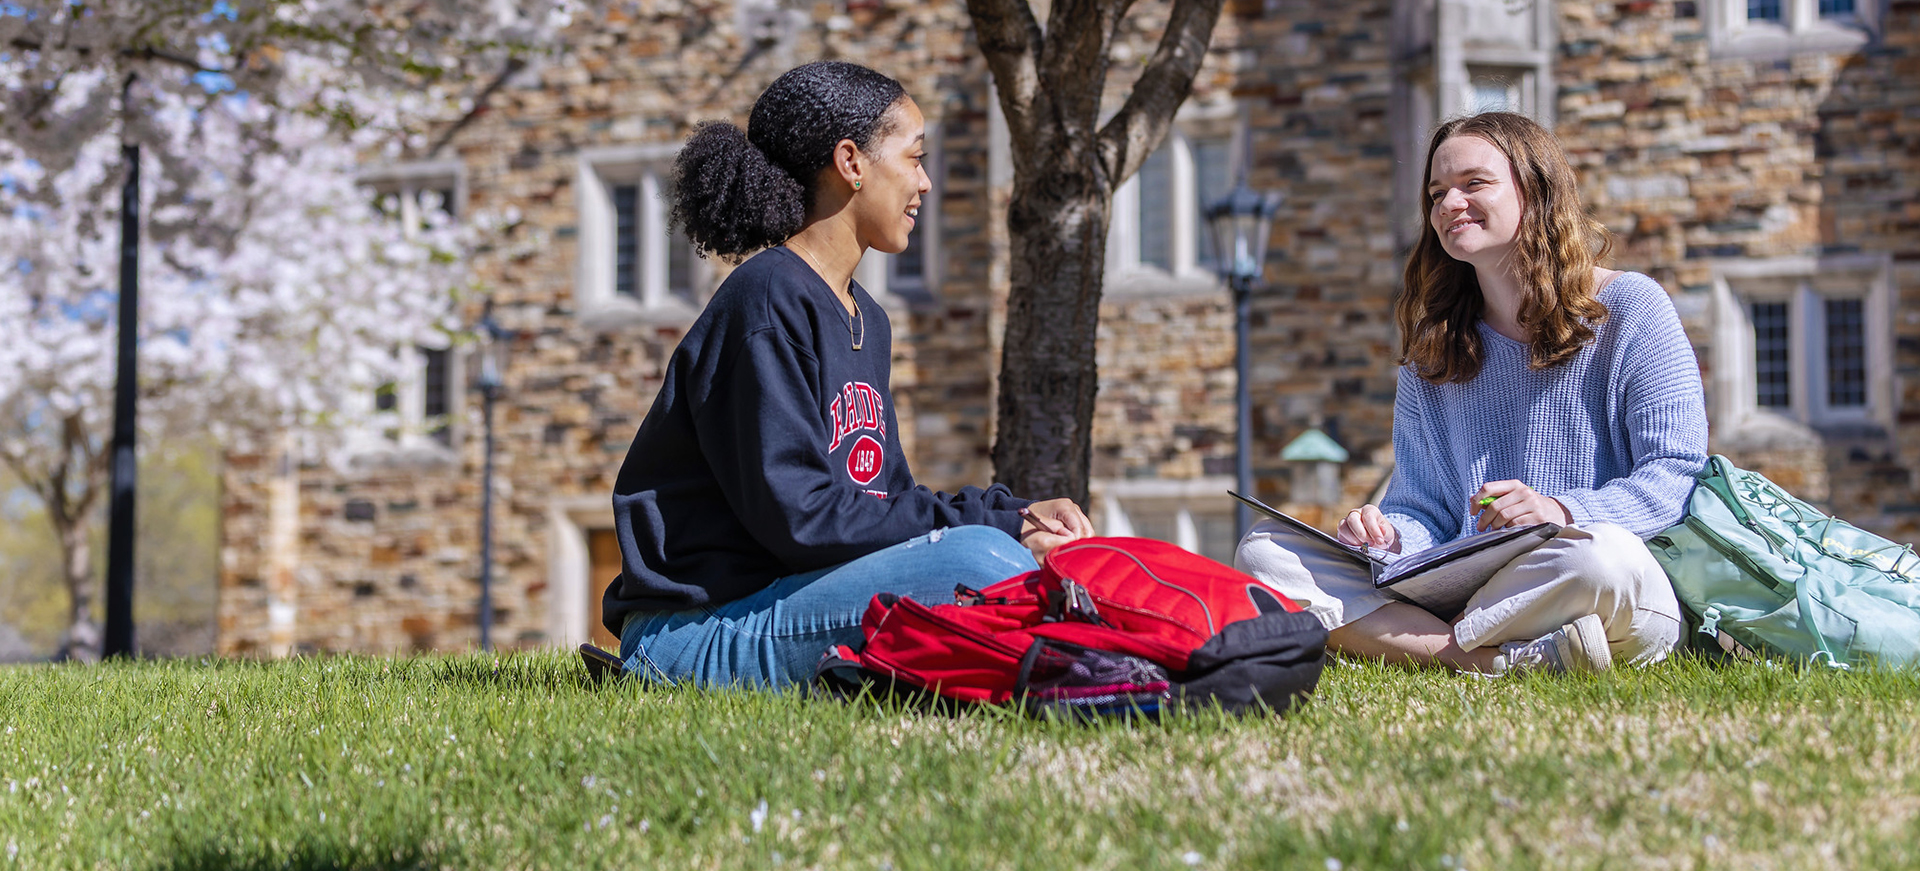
(856, 185)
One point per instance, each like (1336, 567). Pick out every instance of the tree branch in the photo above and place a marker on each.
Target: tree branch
(1011, 41)
(155, 54)
(1073, 66)
(148, 53)
(27, 477)
(514, 65)
(98, 469)
(1142, 122)
(73, 439)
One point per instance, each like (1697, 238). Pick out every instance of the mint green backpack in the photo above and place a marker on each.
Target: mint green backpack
(1762, 572)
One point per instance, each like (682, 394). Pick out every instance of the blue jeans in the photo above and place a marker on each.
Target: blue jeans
(775, 637)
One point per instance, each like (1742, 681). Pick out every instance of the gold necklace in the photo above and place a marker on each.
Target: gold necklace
(853, 317)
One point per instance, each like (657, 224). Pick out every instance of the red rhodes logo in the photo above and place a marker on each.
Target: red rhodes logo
(863, 462)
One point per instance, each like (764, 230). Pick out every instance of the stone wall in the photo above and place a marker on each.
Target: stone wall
(1696, 156)
(946, 347)
(1324, 345)
(1167, 381)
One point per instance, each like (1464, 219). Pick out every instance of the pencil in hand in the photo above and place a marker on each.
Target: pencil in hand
(1041, 522)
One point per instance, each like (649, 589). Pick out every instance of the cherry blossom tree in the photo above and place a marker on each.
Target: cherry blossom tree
(272, 287)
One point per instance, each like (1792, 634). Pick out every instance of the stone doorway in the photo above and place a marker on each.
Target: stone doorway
(603, 557)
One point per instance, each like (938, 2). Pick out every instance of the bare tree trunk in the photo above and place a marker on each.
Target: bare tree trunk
(1048, 380)
(76, 561)
(1067, 166)
(67, 488)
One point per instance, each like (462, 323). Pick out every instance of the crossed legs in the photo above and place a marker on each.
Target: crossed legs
(1601, 569)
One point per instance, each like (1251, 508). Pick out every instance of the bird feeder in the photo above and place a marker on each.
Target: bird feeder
(1324, 456)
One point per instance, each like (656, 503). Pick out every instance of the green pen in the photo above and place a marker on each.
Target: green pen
(1486, 501)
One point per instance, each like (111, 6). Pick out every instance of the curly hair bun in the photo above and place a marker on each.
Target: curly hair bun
(729, 198)
(807, 111)
(736, 191)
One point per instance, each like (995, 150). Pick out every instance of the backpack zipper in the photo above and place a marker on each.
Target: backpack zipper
(929, 615)
(967, 597)
(1732, 554)
(1205, 610)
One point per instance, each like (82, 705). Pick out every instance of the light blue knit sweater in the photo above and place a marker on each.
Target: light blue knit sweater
(1616, 434)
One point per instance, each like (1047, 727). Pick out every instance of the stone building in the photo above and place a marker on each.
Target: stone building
(1760, 158)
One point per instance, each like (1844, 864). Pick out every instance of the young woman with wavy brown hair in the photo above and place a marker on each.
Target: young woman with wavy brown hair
(1535, 386)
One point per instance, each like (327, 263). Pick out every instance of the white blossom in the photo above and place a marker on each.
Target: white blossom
(271, 291)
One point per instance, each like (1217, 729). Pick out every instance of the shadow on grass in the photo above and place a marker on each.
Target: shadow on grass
(308, 855)
(534, 672)
(512, 671)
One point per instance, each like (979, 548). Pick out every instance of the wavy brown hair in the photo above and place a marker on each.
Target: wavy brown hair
(1554, 256)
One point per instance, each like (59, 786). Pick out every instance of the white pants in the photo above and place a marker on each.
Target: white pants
(1598, 569)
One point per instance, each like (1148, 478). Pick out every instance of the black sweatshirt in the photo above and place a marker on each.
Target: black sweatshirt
(772, 449)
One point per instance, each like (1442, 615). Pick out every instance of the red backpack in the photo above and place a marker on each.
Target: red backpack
(1105, 626)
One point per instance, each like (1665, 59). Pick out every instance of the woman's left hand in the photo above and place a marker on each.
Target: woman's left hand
(1065, 516)
(1515, 504)
(1048, 524)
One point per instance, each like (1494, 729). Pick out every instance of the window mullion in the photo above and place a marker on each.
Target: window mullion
(1735, 369)
(409, 211)
(410, 393)
(1879, 341)
(1804, 345)
(1802, 15)
(1185, 205)
(1820, 383)
(651, 231)
(1124, 218)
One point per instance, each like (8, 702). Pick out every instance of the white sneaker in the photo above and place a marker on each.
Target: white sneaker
(1577, 646)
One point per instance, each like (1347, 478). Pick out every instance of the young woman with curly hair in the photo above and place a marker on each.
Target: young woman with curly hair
(766, 498)
(1535, 385)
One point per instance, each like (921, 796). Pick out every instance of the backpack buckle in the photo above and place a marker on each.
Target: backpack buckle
(1076, 603)
(966, 596)
(1710, 621)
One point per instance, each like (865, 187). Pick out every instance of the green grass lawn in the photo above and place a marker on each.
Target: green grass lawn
(517, 762)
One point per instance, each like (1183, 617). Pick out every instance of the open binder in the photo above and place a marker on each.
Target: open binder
(1441, 578)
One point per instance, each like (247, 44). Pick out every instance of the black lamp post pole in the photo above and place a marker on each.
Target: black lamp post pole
(1241, 222)
(488, 393)
(1243, 400)
(490, 386)
(118, 640)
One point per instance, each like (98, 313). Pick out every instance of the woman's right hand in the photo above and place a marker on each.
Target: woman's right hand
(1366, 525)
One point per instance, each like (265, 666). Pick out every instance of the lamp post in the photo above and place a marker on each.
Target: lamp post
(126, 392)
(493, 352)
(1241, 223)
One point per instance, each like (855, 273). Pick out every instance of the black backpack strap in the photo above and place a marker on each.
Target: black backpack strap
(1266, 662)
(601, 664)
(839, 673)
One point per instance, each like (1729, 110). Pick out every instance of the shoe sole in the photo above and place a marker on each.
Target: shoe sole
(1585, 647)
